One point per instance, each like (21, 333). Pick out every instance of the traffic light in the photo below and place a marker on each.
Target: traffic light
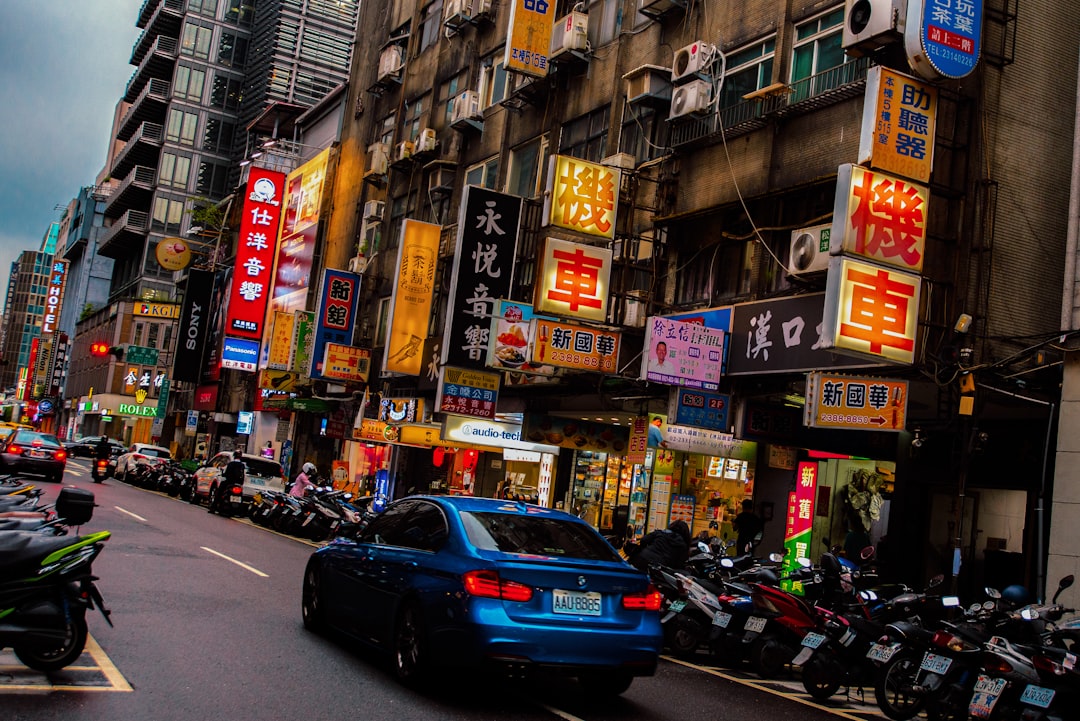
(99, 350)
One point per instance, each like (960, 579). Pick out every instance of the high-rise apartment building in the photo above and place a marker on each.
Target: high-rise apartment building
(23, 312)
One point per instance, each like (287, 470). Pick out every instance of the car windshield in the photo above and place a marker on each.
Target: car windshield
(264, 469)
(155, 452)
(543, 536)
(39, 439)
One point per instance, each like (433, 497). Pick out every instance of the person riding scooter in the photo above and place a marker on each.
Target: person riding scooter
(102, 453)
(303, 480)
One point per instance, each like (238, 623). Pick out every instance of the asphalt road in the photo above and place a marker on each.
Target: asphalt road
(207, 626)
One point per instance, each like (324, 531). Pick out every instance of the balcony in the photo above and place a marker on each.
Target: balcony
(166, 18)
(127, 234)
(142, 149)
(809, 94)
(149, 106)
(158, 63)
(134, 191)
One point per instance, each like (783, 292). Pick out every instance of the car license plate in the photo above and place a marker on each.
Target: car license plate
(813, 640)
(881, 653)
(986, 695)
(576, 603)
(721, 619)
(677, 606)
(935, 664)
(1037, 696)
(754, 624)
(34, 453)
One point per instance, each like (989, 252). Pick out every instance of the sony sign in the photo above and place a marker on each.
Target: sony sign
(194, 322)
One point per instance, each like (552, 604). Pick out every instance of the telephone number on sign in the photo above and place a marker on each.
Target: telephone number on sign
(578, 359)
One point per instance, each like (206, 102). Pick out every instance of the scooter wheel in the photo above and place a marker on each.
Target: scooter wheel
(769, 655)
(894, 688)
(46, 658)
(682, 636)
(820, 678)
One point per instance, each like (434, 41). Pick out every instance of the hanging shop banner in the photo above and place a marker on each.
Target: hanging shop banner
(466, 392)
(281, 340)
(782, 335)
(879, 217)
(280, 381)
(898, 124)
(163, 397)
(573, 280)
(638, 445)
(299, 226)
(575, 434)
(240, 354)
(303, 347)
(512, 349)
(800, 521)
(582, 196)
(54, 297)
(173, 254)
(529, 37)
(855, 403)
(871, 311)
(346, 363)
(255, 250)
(943, 38)
(480, 274)
(690, 439)
(401, 410)
(701, 409)
(410, 305)
(194, 324)
(477, 432)
(336, 314)
(574, 346)
(682, 354)
(61, 351)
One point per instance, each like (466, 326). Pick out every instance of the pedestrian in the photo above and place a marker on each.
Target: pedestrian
(669, 547)
(749, 527)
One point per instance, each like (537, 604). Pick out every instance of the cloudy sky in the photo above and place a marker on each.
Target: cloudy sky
(63, 67)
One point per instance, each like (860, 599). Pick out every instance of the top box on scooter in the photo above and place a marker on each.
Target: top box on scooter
(75, 505)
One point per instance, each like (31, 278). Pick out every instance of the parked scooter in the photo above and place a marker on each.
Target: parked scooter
(47, 585)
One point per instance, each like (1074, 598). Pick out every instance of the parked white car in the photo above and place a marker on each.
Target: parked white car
(140, 453)
(262, 474)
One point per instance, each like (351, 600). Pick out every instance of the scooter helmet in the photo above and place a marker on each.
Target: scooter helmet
(1015, 594)
(309, 468)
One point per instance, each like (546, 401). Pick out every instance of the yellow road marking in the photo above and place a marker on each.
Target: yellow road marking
(116, 680)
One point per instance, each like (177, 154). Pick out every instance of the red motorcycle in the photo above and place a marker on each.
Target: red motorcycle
(790, 618)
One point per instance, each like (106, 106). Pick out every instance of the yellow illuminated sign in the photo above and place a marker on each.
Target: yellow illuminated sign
(899, 120)
(872, 311)
(410, 314)
(880, 217)
(573, 280)
(583, 196)
(574, 346)
(528, 41)
(157, 310)
(854, 402)
(281, 338)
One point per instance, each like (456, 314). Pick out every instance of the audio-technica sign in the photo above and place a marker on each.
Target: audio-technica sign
(489, 433)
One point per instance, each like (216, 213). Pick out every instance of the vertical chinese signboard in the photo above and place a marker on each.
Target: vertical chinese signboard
(573, 280)
(281, 339)
(255, 254)
(800, 520)
(336, 314)
(410, 306)
(482, 270)
(54, 297)
(582, 196)
(529, 37)
(303, 346)
(639, 440)
(898, 124)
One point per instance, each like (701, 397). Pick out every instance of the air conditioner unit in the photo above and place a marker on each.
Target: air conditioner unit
(634, 309)
(649, 84)
(872, 24)
(358, 264)
(622, 161)
(692, 98)
(378, 158)
(390, 61)
(403, 151)
(374, 210)
(466, 107)
(427, 141)
(456, 13)
(809, 250)
(441, 181)
(569, 34)
(691, 60)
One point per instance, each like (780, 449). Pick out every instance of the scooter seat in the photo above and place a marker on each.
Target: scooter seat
(21, 524)
(21, 550)
(10, 490)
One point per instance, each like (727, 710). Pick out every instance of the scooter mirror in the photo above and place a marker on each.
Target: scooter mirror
(936, 581)
(992, 592)
(804, 562)
(1062, 585)
(775, 557)
(703, 547)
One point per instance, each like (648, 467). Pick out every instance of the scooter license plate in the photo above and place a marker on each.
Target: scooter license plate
(721, 619)
(935, 664)
(1037, 696)
(881, 652)
(754, 624)
(986, 695)
(813, 640)
(235, 499)
(677, 606)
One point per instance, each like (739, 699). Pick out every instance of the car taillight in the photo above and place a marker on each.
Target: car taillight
(61, 455)
(648, 601)
(13, 450)
(487, 584)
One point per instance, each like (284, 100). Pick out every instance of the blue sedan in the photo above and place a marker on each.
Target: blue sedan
(443, 581)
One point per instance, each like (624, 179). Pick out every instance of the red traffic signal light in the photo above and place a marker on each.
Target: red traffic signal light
(99, 350)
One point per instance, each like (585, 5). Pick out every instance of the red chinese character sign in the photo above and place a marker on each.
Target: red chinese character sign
(573, 280)
(255, 254)
(582, 196)
(871, 311)
(336, 315)
(879, 217)
(800, 520)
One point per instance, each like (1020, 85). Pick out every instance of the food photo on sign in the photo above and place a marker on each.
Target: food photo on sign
(512, 350)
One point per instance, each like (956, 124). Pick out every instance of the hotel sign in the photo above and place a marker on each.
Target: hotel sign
(54, 297)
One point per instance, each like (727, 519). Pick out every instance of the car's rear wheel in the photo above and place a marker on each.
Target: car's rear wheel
(606, 683)
(310, 603)
(410, 646)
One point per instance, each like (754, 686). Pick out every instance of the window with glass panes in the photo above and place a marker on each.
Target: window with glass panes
(714, 272)
(174, 170)
(213, 179)
(403, 206)
(603, 16)
(493, 80)
(430, 25)
(644, 134)
(168, 212)
(817, 46)
(189, 83)
(180, 127)
(232, 50)
(385, 130)
(226, 92)
(586, 137)
(195, 41)
(748, 69)
(450, 90)
(202, 7)
(414, 111)
(526, 166)
(218, 137)
(484, 174)
(237, 12)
